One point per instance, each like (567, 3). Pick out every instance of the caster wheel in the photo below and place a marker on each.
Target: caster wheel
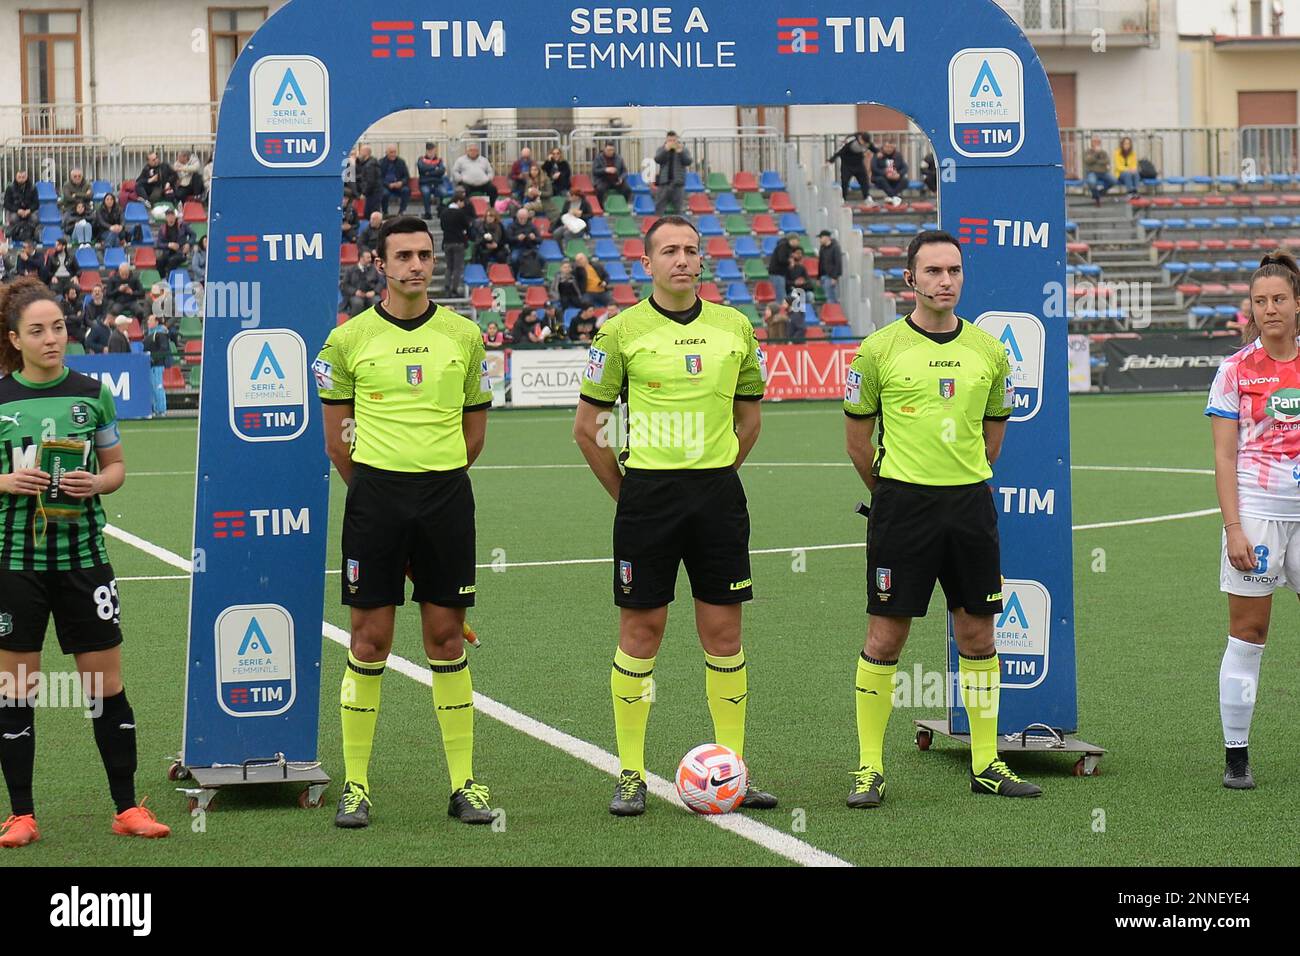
(192, 804)
(1082, 768)
(178, 771)
(923, 739)
(305, 801)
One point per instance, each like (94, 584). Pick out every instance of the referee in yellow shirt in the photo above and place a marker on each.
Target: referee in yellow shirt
(691, 374)
(942, 391)
(405, 391)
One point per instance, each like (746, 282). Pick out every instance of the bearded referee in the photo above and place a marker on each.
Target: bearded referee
(405, 392)
(942, 391)
(691, 374)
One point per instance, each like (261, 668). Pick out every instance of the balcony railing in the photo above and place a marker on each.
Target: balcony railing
(1076, 22)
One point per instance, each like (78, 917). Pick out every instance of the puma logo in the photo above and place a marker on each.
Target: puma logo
(12, 419)
(26, 732)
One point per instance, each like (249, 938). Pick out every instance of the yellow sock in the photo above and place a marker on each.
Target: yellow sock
(453, 701)
(875, 701)
(980, 685)
(359, 710)
(631, 682)
(727, 687)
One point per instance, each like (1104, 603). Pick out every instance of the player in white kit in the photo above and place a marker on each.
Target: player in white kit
(1254, 409)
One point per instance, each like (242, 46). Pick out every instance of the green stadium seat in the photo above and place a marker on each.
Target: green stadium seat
(200, 229)
(755, 270)
(552, 270)
(194, 375)
(616, 205)
(706, 275)
(736, 225)
(148, 277)
(510, 296)
(809, 245)
(751, 313)
(191, 327)
(625, 227)
(718, 183)
(75, 348)
(575, 246)
(753, 203)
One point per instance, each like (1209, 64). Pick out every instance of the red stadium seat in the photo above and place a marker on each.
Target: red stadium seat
(833, 314)
(1241, 200)
(1216, 200)
(499, 274)
(1078, 248)
(414, 186)
(194, 212)
(780, 202)
(480, 205)
(1140, 202)
(891, 252)
(1214, 288)
(1269, 201)
(583, 182)
(173, 378)
(481, 299)
(718, 248)
(348, 254)
(1189, 201)
(1239, 288)
(134, 333)
(1188, 289)
(341, 318)
(1188, 245)
(710, 292)
(633, 248)
(813, 265)
(1215, 245)
(764, 292)
(646, 223)
(744, 182)
(1268, 245)
(624, 296)
(699, 204)
(543, 227)
(87, 279)
(908, 296)
(145, 258)
(760, 333)
(502, 184)
(764, 225)
(1241, 245)
(359, 205)
(923, 207)
(193, 353)
(1164, 202)
(1291, 199)
(815, 332)
(535, 297)
(1164, 245)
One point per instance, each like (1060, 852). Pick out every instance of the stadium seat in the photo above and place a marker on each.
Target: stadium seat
(87, 279)
(617, 272)
(475, 275)
(693, 182)
(194, 212)
(781, 202)
(813, 265)
(728, 271)
(193, 353)
(583, 182)
(86, 257)
(764, 225)
(195, 374)
(755, 270)
(535, 297)
(135, 214)
(710, 292)
(51, 234)
(100, 188)
(191, 327)
(481, 299)
(550, 251)
(48, 214)
(771, 181)
(633, 248)
(717, 247)
(738, 294)
(624, 295)
(643, 204)
(499, 273)
(616, 205)
(753, 203)
(833, 314)
(744, 182)
(764, 292)
(480, 205)
(637, 184)
(606, 251)
(699, 204)
(646, 223)
(709, 226)
(173, 377)
(502, 184)
(348, 255)
(598, 228)
(639, 275)
(751, 313)
(576, 247)
(149, 278)
(727, 204)
(747, 248)
(46, 191)
(717, 183)
(114, 256)
(146, 257)
(625, 227)
(736, 225)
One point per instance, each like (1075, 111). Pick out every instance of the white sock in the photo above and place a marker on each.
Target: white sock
(1238, 688)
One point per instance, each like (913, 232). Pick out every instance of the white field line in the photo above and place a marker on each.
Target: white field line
(782, 844)
(752, 464)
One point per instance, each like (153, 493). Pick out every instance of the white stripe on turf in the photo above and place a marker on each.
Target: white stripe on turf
(1155, 520)
(782, 844)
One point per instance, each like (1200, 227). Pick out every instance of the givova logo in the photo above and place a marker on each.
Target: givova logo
(255, 660)
(267, 385)
(986, 89)
(1022, 633)
(290, 113)
(1284, 405)
(1025, 340)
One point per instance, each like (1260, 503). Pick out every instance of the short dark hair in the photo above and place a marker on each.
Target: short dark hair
(928, 238)
(667, 221)
(401, 225)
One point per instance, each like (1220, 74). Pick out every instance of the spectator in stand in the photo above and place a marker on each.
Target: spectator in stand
(125, 294)
(853, 165)
(673, 159)
(557, 330)
(583, 326)
(118, 340)
(778, 265)
(493, 338)
(565, 289)
(605, 316)
(98, 335)
(198, 262)
(28, 261)
(930, 174)
(475, 174)
(21, 204)
(830, 265)
(76, 189)
(609, 174)
(593, 281)
(533, 201)
(59, 265)
(94, 307)
(431, 171)
(776, 319)
(397, 179)
(530, 327)
(78, 224)
(489, 239)
(207, 176)
(455, 219)
(350, 224)
(156, 182)
(109, 229)
(522, 236)
(519, 173)
(558, 172)
(368, 241)
(538, 180)
(161, 301)
(157, 344)
(361, 285)
(172, 243)
(889, 173)
(369, 180)
(1096, 167)
(576, 215)
(189, 177)
(799, 295)
(1126, 167)
(72, 306)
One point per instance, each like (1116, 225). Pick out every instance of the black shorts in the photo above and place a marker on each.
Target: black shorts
(916, 534)
(700, 517)
(393, 520)
(84, 602)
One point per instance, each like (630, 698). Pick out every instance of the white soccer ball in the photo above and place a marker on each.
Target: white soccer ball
(712, 779)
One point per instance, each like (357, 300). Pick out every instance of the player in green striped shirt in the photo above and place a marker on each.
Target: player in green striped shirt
(942, 392)
(405, 392)
(691, 375)
(52, 555)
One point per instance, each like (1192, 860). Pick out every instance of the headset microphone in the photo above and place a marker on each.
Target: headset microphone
(925, 295)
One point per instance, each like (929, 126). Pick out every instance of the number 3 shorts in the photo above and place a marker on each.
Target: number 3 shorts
(1276, 545)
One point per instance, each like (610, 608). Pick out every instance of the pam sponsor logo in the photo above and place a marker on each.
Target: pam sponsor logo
(1284, 405)
(76, 909)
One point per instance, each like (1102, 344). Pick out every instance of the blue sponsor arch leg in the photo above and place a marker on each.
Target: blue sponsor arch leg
(318, 74)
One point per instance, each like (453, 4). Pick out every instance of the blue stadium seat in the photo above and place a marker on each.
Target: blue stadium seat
(906, 228)
(639, 274)
(146, 235)
(1175, 223)
(709, 226)
(728, 271)
(1202, 181)
(1200, 268)
(643, 204)
(738, 293)
(1252, 222)
(1200, 222)
(99, 189)
(747, 248)
(1151, 225)
(475, 275)
(638, 185)
(769, 245)
(51, 234)
(86, 257)
(1203, 311)
(526, 280)
(1090, 270)
(770, 181)
(930, 226)
(1249, 265)
(550, 250)
(1071, 227)
(1280, 179)
(1226, 311)
(1227, 265)
(598, 228)
(810, 315)
(135, 213)
(790, 222)
(1279, 222)
(880, 229)
(49, 213)
(1073, 183)
(896, 273)
(46, 191)
(1071, 269)
(1177, 268)
(693, 183)
(114, 256)
(606, 251)
(842, 332)
(1226, 180)
(1227, 222)
(1176, 180)
(727, 204)
(617, 272)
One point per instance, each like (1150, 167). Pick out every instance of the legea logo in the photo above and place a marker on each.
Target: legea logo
(1284, 405)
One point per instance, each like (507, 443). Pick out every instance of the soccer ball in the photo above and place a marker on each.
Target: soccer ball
(712, 779)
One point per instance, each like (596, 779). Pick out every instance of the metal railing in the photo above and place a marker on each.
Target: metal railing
(637, 146)
(501, 145)
(1079, 19)
(730, 150)
(106, 120)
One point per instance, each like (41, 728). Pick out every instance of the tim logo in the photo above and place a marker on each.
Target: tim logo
(1022, 633)
(1017, 233)
(986, 90)
(395, 39)
(286, 247)
(392, 38)
(1024, 338)
(289, 116)
(267, 522)
(267, 382)
(795, 35)
(255, 660)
